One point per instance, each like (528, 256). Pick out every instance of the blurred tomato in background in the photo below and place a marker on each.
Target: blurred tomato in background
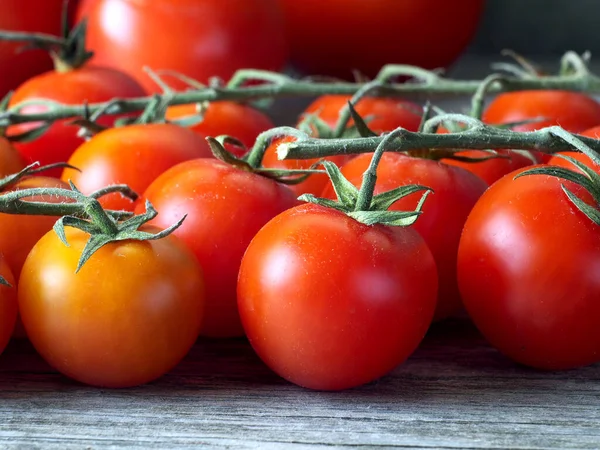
(26, 15)
(335, 37)
(198, 38)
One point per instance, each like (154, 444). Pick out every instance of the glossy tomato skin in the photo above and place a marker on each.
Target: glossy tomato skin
(205, 38)
(329, 303)
(558, 161)
(444, 213)
(233, 119)
(528, 273)
(384, 113)
(337, 36)
(8, 305)
(387, 114)
(573, 111)
(11, 160)
(225, 208)
(42, 16)
(134, 155)
(86, 84)
(491, 170)
(128, 317)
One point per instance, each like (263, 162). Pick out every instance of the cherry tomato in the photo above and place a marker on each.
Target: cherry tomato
(329, 303)
(27, 16)
(225, 208)
(234, 119)
(205, 39)
(11, 160)
(444, 213)
(573, 111)
(491, 170)
(337, 36)
(86, 84)
(134, 155)
(387, 114)
(528, 270)
(8, 305)
(129, 316)
(582, 157)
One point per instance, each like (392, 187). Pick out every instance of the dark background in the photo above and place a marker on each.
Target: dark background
(539, 27)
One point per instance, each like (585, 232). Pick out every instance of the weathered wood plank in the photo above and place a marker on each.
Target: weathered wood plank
(455, 392)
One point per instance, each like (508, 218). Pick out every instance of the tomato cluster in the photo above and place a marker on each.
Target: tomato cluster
(334, 276)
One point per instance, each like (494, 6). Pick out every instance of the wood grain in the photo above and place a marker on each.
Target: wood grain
(455, 392)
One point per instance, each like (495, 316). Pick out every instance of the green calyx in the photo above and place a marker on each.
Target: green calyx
(588, 178)
(361, 204)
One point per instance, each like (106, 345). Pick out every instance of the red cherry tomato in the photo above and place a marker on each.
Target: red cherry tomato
(387, 114)
(134, 155)
(491, 170)
(86, 84)
(336, 36)
(205, 39)
(444, 213)
(127, 317)
(11, 160)
(573, 111)
(41, 16)
(233, 119)
(8, 305)
(528, 269)
(329, 303)
(225, 208)
(582, 157)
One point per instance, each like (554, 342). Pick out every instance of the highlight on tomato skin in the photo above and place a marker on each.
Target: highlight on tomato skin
(134, 155)
(456, 191)
(528, 272)
(129, 316)
(329, 303)
(225, 208)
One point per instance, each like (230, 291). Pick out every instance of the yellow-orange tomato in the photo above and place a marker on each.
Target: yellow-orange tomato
(127, 317)
(8, 305)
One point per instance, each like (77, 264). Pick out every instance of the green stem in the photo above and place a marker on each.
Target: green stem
(478, 136)
(100, 217)
(429, 84)
(255, 156)
(367, 188)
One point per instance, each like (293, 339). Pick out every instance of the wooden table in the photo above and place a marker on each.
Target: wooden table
(454, 392)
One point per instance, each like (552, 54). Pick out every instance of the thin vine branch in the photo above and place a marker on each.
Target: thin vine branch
(424, 84)
(476, 136)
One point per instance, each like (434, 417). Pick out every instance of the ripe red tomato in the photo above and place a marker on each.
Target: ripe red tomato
(205, 39)
(491, 170)
(225, 208)
(329, 303)
(528, 270)
(582, 157)
(41, 16)
(241, 121)
(86, 84)
(387, 114)
(8, 305)
(129, 316)
(11, 160)
(19, 233)
(337, 36)
(573, 111)
(444, 213)
(134, 155)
